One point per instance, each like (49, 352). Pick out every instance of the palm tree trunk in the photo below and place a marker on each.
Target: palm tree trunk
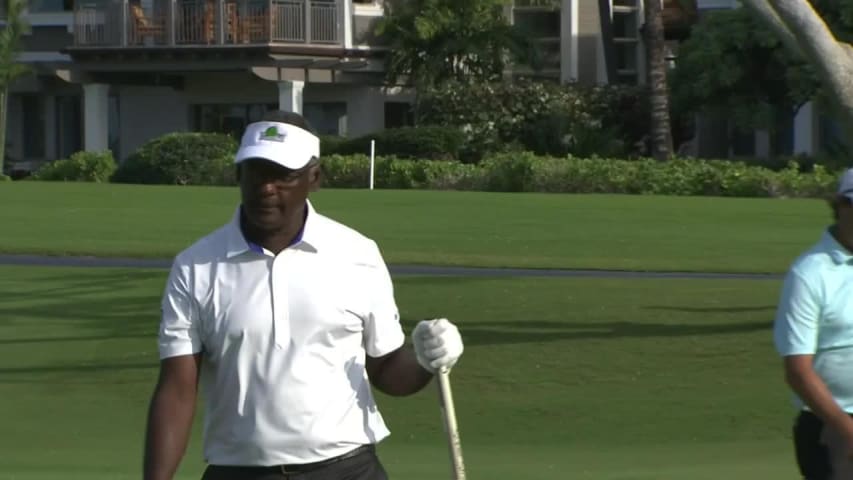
(661, 129)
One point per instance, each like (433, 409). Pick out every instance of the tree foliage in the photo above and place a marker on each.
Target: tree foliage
(433, 41)
(10, 42)
(838, 15)
(10, 69)
(733, 63)
(768, 58)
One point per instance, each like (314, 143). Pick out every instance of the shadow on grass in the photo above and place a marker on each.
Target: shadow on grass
(766, 308)
(77, 368)
(90, 338)
(103, 304)
(77, 281)
(79, 305)
(501, 333)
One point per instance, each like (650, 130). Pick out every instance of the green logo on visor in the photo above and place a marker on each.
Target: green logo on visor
(272, 134)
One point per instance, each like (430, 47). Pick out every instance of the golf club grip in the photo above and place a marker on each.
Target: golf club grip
(449, 413)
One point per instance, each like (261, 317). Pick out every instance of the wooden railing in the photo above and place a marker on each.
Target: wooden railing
(164, 23)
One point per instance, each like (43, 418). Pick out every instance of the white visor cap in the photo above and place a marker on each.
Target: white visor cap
(287, 145)
(845, 184)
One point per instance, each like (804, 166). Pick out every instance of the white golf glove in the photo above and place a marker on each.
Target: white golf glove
(437, 344)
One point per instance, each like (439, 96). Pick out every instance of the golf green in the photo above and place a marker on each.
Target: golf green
(561, 378)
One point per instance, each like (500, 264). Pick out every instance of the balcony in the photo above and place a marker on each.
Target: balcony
(199, 23)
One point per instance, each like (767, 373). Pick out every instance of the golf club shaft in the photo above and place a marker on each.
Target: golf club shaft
(450, 427)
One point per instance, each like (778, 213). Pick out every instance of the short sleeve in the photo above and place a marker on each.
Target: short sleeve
(179, 323)
(795, 328)
(383, 332)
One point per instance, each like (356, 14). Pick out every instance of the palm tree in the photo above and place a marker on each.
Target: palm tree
(661, 129)
(10, 68)
(433, 41)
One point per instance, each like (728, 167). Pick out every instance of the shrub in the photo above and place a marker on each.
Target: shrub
(80, 167)
(182, 159)
(331, 144)
(623, 111)
(345, 171)
(577, 119)
(508, 172)
(5, 178)
(560, 134)
(430, 142)
(391, 172)
(525, 172)
(803, 162)
(451, 176)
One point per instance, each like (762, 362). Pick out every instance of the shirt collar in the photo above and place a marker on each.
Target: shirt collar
(237, 243)
(836, 251)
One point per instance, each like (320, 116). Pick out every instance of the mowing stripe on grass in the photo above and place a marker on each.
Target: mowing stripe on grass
(397, 270)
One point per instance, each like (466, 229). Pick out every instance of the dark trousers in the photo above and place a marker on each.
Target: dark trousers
(821, 451)
(811, 453)
(363, 466)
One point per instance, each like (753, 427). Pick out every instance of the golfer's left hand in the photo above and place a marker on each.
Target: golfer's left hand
(437, 344)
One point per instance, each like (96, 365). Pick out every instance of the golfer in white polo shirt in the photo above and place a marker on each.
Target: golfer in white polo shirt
(286, 317)
(814, 334)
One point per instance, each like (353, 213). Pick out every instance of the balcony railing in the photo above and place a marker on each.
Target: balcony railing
(175, 23)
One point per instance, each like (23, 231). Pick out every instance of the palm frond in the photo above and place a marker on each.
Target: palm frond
(10, 43)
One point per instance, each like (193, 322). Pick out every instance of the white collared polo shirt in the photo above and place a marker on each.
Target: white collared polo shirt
(284, 340)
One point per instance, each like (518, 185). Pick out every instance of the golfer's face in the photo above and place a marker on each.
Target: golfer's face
(271, 192)
(845, 211)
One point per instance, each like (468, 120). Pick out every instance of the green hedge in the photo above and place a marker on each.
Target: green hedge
(80, 167)
(391, 172)
(181, 159)
(526, 172)
(207, 159)
(429, 142)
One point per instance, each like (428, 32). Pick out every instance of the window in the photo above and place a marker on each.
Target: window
(538, 23)
(831, 135)
(626, 63)
(399, 114)
(69, 121)
(32, 107)
(742, 142)
(327, 118)
(784, 135)
(625, 26)
(229, 119)
(626, 43)
(114, 118)
(51, 6)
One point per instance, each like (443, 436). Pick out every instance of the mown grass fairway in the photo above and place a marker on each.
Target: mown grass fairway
(445, 228)
(562, 378)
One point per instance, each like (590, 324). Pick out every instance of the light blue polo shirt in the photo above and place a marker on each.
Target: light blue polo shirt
(815, 316)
